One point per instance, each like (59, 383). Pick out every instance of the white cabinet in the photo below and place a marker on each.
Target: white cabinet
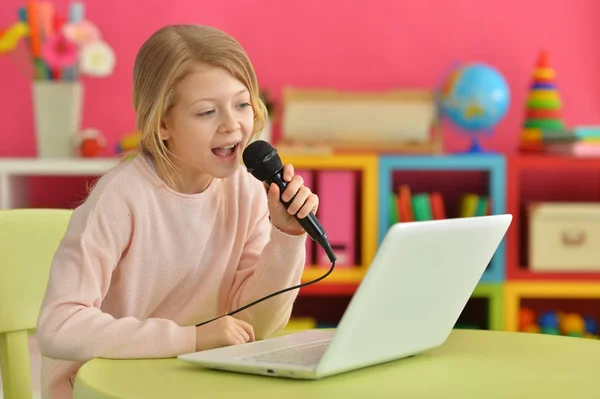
(14, 173)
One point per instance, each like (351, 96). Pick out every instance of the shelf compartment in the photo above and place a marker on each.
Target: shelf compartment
(533, 179)
(491, 164)
(515, 292)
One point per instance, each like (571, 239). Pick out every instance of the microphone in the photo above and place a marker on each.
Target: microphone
(264, 163)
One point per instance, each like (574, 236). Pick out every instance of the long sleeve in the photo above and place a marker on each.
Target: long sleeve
(271, 260)
(71, 325)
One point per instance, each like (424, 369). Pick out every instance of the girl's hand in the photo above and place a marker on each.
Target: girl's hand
(304, 202)
(225, 331)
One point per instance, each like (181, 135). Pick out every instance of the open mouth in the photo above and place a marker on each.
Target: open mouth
(227, 151)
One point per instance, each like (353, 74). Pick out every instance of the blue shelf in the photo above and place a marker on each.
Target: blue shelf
(494, 164)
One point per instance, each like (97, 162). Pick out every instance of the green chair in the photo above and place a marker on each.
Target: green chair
(28, 240)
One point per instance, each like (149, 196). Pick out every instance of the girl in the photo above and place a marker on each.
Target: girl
(181, 233)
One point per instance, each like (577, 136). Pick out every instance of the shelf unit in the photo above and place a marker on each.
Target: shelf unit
(14, 173)
(494, 293)
(578, 181)
(505, 284)
(516, 167)
(494, 165)
(343, 281)
(514, 292)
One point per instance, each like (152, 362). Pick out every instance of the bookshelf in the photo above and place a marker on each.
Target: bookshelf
(510, 182)
(560, 178)
(547, 178)
(343, 281)
(492, 165)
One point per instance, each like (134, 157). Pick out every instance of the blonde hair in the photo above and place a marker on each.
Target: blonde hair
(167, 57)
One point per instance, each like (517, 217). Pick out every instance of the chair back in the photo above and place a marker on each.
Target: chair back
(29, 239)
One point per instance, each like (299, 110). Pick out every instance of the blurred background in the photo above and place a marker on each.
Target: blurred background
(415, 110)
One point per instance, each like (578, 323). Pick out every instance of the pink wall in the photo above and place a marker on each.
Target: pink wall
(385, 44)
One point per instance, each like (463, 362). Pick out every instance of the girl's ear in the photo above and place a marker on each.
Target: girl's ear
(164, 131)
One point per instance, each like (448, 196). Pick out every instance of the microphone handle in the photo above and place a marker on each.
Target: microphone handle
(309, 223)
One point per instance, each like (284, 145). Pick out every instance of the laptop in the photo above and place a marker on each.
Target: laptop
(409, 300)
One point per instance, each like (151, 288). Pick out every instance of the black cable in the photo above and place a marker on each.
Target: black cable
(270, 296)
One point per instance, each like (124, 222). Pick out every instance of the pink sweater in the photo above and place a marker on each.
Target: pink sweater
(141, 264)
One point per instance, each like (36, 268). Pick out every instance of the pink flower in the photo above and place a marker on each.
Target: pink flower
(82, 33)
(59, 52)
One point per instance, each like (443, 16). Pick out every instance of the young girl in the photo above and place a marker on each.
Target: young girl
(181, 233)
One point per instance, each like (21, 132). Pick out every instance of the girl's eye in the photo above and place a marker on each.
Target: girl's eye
(206, 113)
(244, 105)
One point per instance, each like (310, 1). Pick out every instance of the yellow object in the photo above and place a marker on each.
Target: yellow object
(544, 73)
(531, 135)
(473, 111)
(467, 365)
(514, 291)
(468, 205)
(572, 323)
(300, 323)
(590, 140)
(12, 35)
(543, 95)
(368, 166)
(28, 240)
(129, 142)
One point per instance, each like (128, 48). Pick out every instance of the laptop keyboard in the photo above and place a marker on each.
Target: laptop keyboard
(304, 355)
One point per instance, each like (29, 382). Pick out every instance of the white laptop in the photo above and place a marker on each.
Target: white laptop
(409, 300)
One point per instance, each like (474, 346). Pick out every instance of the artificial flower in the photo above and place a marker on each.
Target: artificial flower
(59, 52)
(9, 39)
(82, 33)
(97, 59)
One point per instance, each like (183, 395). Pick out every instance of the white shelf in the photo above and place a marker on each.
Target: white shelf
(61, 167)
(15, 171)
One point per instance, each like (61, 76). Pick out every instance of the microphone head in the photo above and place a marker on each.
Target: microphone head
(261, 159)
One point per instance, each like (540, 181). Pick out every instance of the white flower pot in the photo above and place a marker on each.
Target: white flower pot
(57, 108)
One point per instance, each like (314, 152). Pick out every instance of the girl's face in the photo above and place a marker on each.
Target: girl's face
(208, 125)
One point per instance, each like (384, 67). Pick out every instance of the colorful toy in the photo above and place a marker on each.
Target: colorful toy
(590, 325)
(572, 323)
(550, 330)
(543, 107)
(558, 323)
(526, 319)
(91, 143)
(549, 321)
(129, 142)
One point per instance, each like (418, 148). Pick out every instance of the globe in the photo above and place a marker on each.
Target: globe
(474, 97)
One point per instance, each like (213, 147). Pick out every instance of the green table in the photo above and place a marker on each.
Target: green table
(470, 364)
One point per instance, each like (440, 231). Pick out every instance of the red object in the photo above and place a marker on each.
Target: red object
(323, 288)
(543, 59)
(544, 80)
(542, 113)
(532, 148)
(90, 148)
(515, 206)
(58, 22)
(526, 318)
(404, 203)
(437, 206)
